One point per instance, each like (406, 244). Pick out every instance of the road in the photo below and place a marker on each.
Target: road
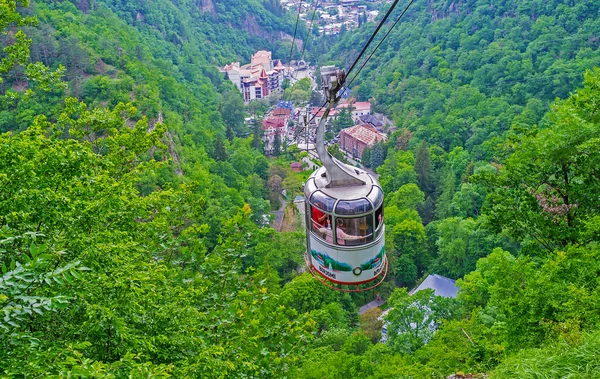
(279, 214)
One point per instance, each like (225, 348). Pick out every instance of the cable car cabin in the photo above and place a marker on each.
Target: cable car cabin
(344, 212)
(345, 230)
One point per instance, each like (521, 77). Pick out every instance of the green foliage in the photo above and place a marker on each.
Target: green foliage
(397, 170)
(459, 245)
(232, 111)
(542, 195)
(376, 156)
(563, 360)
(413, 319)
(343, 120)
(424, 170)
(277, 145)
(371, 325)
(459, 74)
(406, 197)
(542, 302)
(23, 283)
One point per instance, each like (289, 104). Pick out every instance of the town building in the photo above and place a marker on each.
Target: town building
(276, 123)
(256, 80)
(296, 166)
(316, 114)
(333, 17)
(373, 121)
(440, 285)
(359, 108)
(355, 139)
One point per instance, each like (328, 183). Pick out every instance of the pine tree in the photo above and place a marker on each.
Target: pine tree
(220, 153)
(229, 133)
(377, 155)
(256, 142)
(365, 158)
(427, 210)
(423, 169)
(277, 145)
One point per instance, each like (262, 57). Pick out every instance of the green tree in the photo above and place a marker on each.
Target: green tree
(232, 110)
(343, 120)
(220, 152)
(413, 319)
(370, 324)
(423, 170)
(397, 170)
(409, 196)
(377, 155)
(542, 195)
(277, 145)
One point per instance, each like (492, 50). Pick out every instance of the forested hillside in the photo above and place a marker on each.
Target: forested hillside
(459, 74)
(133, 202)
(464, 82)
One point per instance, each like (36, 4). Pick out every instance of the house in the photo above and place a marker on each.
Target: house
(263, 58)
(256, 87)
(281, 112)
(359, 108)
(440, 285)
(355, 139)
(296, 166)
(272, 126)
(373, 121)
(316, 115)
(276, 123)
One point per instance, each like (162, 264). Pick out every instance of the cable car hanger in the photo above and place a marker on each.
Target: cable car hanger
(337, 174)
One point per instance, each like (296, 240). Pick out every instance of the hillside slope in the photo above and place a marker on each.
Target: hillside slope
(459, 73)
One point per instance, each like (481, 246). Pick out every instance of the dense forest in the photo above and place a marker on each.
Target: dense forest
(134, 200)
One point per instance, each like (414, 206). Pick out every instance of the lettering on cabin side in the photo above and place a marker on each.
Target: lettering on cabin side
(326, 272)
(377, 270)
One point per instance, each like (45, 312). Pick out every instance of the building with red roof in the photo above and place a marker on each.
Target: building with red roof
(359, 108)
(276, 123)
(354, 140)
(296, 166)
(317, 114)
(259, 78)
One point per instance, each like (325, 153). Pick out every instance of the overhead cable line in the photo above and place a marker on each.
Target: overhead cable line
(364, 49)
(289, 62)
(295, 31)
(390, 10)
(303, 49)
(383, 20)
(309, 29)
(380, 42)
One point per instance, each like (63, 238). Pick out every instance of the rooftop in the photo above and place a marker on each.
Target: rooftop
(365, 133)
(281, 112)
(357, 105)
(275, 122)
(440, 285)
(377, 123)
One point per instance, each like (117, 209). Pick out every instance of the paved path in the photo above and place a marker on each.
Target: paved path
(374, 304)
(311, 164)
(279, 214)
